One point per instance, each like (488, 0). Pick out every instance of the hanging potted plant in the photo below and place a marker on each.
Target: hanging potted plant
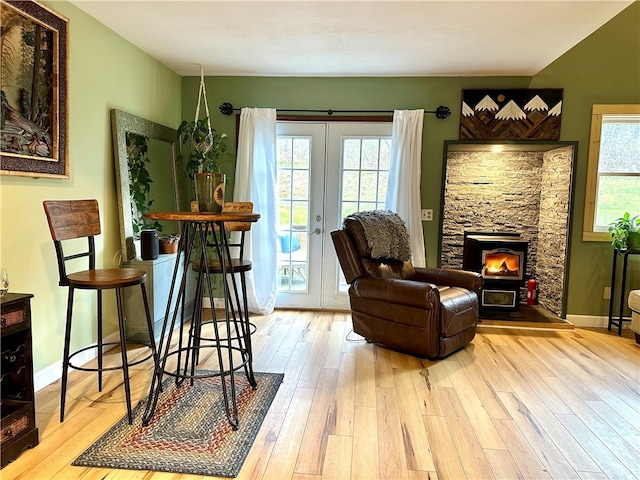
(625, 232)
(203, 150)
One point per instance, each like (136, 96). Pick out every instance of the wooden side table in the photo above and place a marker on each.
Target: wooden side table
(19, 430)
(617, 322)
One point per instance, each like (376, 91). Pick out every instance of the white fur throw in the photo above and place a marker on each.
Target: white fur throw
(386, 234)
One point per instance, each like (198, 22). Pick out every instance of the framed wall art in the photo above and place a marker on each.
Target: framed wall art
(33, 130)
(511, 114)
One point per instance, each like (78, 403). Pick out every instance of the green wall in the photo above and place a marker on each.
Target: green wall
(105, 72)
(604, 68)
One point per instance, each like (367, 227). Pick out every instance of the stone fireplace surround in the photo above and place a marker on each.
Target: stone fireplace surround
(526, 188)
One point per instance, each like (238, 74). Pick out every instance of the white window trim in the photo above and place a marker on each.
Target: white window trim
(588, 233)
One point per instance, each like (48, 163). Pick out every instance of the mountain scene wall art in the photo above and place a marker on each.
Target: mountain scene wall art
(512, 114)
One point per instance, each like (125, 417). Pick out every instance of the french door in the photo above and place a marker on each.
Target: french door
(325, 172)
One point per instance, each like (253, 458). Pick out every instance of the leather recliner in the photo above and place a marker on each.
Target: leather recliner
(426, 312)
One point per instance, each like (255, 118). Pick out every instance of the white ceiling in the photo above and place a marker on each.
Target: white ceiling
(352, 37)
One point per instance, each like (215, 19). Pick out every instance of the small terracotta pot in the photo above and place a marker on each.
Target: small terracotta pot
(168, 247)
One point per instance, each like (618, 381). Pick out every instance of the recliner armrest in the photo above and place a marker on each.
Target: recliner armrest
(450, 278)
(405, 292)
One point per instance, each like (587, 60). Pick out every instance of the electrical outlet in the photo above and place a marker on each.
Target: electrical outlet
(427, 214)
(607, 293)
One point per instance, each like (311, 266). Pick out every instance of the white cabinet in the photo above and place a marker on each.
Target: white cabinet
(159, 276)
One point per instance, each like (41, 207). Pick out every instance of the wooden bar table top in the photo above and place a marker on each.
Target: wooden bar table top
(203, 216)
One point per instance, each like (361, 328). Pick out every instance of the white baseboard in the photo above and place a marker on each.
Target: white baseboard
(47, 376)
(591, 321)
(217, 302)
(53, 372)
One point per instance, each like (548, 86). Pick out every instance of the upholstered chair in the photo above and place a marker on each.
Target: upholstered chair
(426, 312)
(634, 305)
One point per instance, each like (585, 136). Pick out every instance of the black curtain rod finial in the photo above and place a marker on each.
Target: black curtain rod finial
(442, 112)
(226, 108)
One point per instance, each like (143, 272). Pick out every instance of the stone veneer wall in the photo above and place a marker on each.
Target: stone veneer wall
(553, 233)
(511, 192)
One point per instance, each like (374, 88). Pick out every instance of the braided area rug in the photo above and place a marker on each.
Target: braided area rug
(189, 432)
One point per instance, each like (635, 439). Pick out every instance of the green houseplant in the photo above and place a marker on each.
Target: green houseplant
(625, 232)
(169, 243)
(140, 182)
(203, 148)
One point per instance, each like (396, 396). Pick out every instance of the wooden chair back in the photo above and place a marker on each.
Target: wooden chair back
(240, 207)
(237, 207)
(69, 219)
(72, 218)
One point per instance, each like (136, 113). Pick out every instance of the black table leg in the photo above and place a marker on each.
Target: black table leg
(624, 282)
(613, 285)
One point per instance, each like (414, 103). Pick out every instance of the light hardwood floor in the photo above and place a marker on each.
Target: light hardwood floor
(513, 404)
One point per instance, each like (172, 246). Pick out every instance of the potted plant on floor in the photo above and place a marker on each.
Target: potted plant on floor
(625, 232)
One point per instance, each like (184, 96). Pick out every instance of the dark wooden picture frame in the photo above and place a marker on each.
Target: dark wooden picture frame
(33, 132)
(511, 114)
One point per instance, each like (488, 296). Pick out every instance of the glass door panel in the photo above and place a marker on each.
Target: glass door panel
(359, 153)
(325, 172)
(300, 156)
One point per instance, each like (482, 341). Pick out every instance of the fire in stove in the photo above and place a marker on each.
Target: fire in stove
(503, 264)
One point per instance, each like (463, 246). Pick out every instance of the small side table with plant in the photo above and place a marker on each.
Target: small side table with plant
(625, 232)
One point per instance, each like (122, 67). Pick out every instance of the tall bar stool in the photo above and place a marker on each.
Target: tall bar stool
(73, 219)
(240, 266)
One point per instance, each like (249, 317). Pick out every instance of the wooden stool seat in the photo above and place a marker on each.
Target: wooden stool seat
(107, 278)
(238, 264)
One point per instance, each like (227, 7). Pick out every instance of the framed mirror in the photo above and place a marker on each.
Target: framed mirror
(144, 154)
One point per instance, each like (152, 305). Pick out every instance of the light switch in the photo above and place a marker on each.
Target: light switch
(427, 214)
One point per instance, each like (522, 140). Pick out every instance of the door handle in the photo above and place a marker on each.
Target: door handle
(317, 231)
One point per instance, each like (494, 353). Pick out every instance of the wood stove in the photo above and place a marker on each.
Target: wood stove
(501, 258)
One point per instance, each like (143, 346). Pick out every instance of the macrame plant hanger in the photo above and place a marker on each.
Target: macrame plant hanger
(207, 143)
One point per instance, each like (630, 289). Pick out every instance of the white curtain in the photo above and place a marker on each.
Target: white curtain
(403, 190)
(256, 182)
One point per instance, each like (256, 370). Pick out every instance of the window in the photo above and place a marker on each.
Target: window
(613, 176)
(365, 173)
(294, 164)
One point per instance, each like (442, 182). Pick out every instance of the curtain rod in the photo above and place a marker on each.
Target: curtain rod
(441, 112)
